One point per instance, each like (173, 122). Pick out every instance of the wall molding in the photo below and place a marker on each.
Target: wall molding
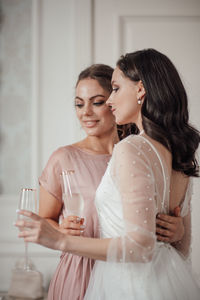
(83, 34)
(35, 95)
(121, 22)
(83, 38)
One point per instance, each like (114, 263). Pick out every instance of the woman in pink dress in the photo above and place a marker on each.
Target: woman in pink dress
(89, 159)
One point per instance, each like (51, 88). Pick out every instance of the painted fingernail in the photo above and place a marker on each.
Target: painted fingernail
(78, 219)
(82, 226)
(17, 210)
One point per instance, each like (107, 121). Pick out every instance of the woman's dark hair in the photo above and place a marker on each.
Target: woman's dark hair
(100, 72)
(165, 106)
(103, 74)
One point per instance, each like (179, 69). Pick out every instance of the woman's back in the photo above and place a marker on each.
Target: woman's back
(178, 181)
(180, 192)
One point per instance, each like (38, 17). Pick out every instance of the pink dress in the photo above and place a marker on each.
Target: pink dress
(72, 275)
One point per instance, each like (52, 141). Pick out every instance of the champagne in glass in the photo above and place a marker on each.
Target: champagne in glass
(28, 201)
(72, 198)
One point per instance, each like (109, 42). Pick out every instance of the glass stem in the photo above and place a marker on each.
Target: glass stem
(26, 257)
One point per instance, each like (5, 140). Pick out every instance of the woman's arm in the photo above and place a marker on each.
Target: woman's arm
(134, 187)
(43, 233)
(170, 229)
(50, 209)
(136, 239)
(183, 245)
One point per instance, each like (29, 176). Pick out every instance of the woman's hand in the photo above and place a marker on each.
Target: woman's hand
(38, 230)
(170, 229)
(72, 225)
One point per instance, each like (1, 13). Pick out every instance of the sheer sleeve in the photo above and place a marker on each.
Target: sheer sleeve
(133, 177)
(50, 177)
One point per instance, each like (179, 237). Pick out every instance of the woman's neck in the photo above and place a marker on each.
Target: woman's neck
(99, 144)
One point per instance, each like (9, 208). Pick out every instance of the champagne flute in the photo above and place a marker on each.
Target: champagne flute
(72, 198)
(27, 201)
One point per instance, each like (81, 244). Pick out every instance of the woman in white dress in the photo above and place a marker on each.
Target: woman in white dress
(148, 174)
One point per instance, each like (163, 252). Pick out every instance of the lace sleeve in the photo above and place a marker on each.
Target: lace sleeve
(133, 177)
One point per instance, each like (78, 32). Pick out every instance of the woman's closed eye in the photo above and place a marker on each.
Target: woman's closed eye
(99, 103)
(115, 89)
(79, 105)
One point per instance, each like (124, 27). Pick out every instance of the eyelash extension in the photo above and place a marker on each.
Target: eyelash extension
(79, 105)
(95, 103)
(99, 103)
(115, 89)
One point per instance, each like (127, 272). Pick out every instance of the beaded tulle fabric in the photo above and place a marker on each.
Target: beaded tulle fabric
(134, 188)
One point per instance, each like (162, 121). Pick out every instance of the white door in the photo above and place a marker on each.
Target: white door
(172, 27)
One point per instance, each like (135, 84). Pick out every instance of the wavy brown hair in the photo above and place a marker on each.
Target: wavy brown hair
(165, 107)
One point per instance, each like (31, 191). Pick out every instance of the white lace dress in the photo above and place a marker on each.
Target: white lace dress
(133, 190)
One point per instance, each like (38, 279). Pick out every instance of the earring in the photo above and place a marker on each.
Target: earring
(139, 101)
